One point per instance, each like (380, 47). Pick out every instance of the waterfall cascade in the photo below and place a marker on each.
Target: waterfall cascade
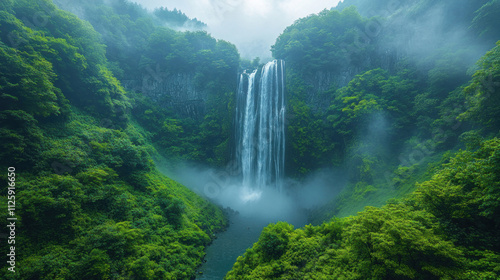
(260, 126)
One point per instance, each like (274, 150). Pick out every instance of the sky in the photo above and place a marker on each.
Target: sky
(252, 25)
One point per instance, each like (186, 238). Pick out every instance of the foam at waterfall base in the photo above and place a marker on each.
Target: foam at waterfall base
(248, 195)
(264, 203)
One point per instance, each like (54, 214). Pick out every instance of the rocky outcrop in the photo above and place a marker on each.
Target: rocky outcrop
(176, 91)
(323, 84)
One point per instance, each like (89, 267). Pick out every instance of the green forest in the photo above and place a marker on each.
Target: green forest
(401, 96)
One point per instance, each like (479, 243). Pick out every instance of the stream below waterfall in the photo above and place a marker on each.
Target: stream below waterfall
(241, 234)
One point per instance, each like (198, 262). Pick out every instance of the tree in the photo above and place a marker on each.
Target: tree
(483, 93)
(464, 195)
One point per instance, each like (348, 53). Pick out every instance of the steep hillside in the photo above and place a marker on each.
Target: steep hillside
(186, 80)
(89, 201)
(381, 96)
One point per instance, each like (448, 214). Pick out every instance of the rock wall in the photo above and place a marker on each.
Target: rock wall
(322, 81)
(177, 92)
(323, 84)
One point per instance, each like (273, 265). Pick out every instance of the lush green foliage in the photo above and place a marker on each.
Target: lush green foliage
(144, 54)
(90, 204)
(312, 146)
(77, 124)
(213, 62)
(419, 101)
(176, 18)
(482, 93)
(485, 18)
(464, 195)
(366, 96)
(372, 92)
(448, 229)
(63, 45)
(323, 42)
(139, 48)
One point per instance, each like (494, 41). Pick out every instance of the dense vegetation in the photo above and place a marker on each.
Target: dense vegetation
(395, 127)
(384, 94)
(389, 91)
(144, 54)
(90, 202)
(411, 87)
(178, 19)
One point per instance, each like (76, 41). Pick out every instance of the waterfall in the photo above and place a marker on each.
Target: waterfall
(260, 126)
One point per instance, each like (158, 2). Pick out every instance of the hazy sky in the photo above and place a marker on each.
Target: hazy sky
(252, 25)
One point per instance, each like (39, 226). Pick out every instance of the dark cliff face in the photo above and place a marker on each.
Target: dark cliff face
(177, 92)
(323, 84)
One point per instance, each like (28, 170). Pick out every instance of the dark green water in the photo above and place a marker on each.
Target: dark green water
(240, 235)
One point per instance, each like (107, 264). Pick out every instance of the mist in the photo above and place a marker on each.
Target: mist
(252, 25)
(223, 187)
(425, 35)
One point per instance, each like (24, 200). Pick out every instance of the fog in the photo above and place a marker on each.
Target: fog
(252, 25)
(423, 36)
(267, 204)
